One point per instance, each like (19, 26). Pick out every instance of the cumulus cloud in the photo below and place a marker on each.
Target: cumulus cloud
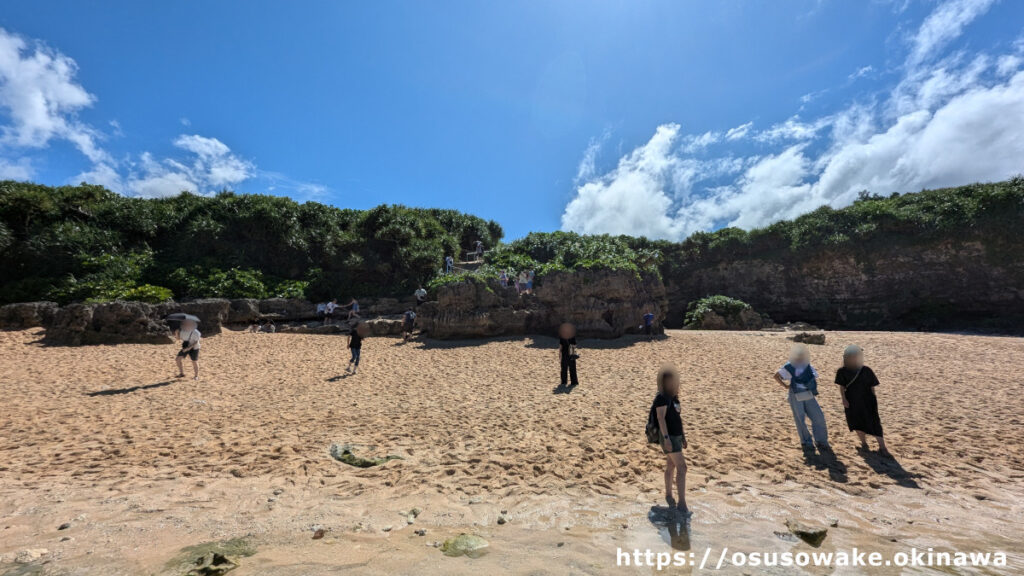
(958, 120)
(40, 97)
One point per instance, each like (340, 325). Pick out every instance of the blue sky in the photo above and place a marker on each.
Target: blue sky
(653, 118)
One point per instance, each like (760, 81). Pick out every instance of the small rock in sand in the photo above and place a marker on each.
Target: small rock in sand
(64, 526)
(318, 534)
(421, 532)
(501, 520)
(30, 555)
(465, 544)
(811, 535)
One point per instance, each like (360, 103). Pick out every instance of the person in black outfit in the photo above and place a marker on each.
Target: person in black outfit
(567, 353)
(355, 345)
(857, 386)
(673, 439)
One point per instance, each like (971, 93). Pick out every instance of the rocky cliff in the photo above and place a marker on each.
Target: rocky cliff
(602, 304)
(137, 322)
(939, 285)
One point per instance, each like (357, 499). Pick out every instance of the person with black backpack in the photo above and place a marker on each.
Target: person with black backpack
(665, 428)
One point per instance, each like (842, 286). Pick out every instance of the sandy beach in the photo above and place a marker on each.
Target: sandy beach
(141, 465)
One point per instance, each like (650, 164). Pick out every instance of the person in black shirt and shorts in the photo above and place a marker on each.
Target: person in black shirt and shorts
(673, 439)
(567, 353)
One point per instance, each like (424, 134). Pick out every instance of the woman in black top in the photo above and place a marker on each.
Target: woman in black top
(673, 439)
(355, 344)
(857, 385)
(567, 353)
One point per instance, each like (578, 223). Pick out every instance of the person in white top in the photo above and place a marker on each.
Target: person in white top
(190, 343)
(421, 295)
(801, 380)
(329, 311)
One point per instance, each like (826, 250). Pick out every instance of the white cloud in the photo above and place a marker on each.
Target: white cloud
(958, 120)
(740, 132)
(861, 72)
(942, 26)
(39, 93)
(19, 169)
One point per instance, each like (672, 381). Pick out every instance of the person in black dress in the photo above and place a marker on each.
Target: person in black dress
(567, 353)
(857, 386)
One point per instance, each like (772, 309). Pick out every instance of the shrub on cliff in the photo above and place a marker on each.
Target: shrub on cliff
(720, 312)
(546, 252)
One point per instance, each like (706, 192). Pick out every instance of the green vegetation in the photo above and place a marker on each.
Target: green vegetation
(85, 243)
(724, 306)
(77, 243)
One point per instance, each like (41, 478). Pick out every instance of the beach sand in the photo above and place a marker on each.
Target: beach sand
(142, 465)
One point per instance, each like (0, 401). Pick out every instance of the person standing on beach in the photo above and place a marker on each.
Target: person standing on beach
(649, 324)
(857, 387)
(355, 346)
(673, 438)
(801, 379)
(567, 355)
(190, 337)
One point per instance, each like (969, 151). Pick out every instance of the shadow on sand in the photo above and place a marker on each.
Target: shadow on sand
(826, 460)
(889, 467)
(673, 526)
(563, 389)
(117, 391)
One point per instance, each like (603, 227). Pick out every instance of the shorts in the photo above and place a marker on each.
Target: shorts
(193, 353)
(408, 326)
(677, 444)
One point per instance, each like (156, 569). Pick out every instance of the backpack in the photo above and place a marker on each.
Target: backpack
(652, 430)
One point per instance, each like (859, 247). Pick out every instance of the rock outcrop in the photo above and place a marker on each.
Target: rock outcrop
(107, 323)
(941, 285)
(601, 303)
(747, 319)
(26, 315)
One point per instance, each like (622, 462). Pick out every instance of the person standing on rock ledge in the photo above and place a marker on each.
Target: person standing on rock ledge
(801, 379)
(567, 355)
(190, 337)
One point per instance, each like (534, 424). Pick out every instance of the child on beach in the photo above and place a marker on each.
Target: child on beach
(355, 346)
(673, 438)
(190, 337)
(857, 387)
(801, 379)
(408, 324)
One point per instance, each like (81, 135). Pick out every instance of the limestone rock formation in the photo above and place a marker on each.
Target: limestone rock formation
(26, 315)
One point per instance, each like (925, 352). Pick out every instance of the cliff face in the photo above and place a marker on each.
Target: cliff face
(945, 285)
(602, 304)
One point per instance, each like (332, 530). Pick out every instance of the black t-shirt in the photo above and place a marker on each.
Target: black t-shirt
(356, 341)
(567, 345)
(673, 421)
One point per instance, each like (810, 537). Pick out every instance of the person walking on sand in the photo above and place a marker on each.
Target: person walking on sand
(673, 438)
(190, 343)
(409, 322)
(801, 379)
(567, 354)
(355, 346)
(857, 387)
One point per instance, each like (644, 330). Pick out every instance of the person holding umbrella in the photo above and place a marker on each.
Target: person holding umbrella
(190, 338)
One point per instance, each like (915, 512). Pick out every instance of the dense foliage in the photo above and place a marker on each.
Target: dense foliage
(84, 242)
(76, 243)
(722, 305)
(991, 213)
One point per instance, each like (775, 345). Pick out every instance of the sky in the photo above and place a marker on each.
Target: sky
(635, 117)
